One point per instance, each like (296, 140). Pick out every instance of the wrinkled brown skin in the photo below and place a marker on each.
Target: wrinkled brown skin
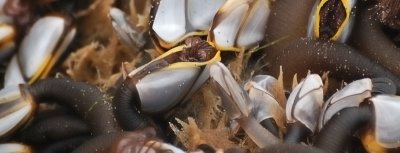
(297, 132)
(64, 145)
(369, 39)
(54, 128)
(86, 100)
(342, 62)
(126, 104)
(289, 19)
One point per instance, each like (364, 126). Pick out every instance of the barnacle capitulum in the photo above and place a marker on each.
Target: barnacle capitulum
(16, 110)
(7, 40)
(305, 102)
(385, 130)
(264, 105)
(239, 24)
(43, 45)
(350, 96)
(353, 94)
(332, 20)
(129, 34)
(173, 74)
(85, 100)
(236, 102)
(175, 20)
(15, 147)
(13, 74)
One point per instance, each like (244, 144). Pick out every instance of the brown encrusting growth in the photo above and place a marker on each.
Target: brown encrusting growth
(98, 64)
(191, 135)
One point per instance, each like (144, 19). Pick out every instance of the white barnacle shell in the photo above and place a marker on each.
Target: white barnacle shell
(170, 20)
(45, 42)
(161, 84)
(13, 75)
(387, 114)
(234, 99)
(175, 20)
(263, 102)
(239, 24)
(129, 34)
(305, 101)
(15, 148)
(350, 96)
(15, 109)
(237, 105)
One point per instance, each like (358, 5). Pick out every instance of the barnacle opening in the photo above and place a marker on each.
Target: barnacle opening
(332, 18)
(195, 52)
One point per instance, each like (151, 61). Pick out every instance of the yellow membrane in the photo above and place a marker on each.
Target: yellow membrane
(347, 6)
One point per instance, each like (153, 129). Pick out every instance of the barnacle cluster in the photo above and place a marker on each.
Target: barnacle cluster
(199, 76)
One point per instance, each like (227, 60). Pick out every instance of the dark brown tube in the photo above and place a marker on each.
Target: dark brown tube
(342, 62)
(86, 100)
(53, 129)
(64, 146)
(338, 131)
(388, 11)
(369, 39)
(296, 133)
(290, 148)
(288, 19)
(126, 111)
(383, 86)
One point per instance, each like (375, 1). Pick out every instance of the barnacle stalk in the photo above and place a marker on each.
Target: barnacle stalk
(334, 136)
(383, 51)
(86, 100)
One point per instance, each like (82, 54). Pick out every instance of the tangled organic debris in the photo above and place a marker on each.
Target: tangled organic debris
(190, 135)
(99, 65)
(95, 25)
